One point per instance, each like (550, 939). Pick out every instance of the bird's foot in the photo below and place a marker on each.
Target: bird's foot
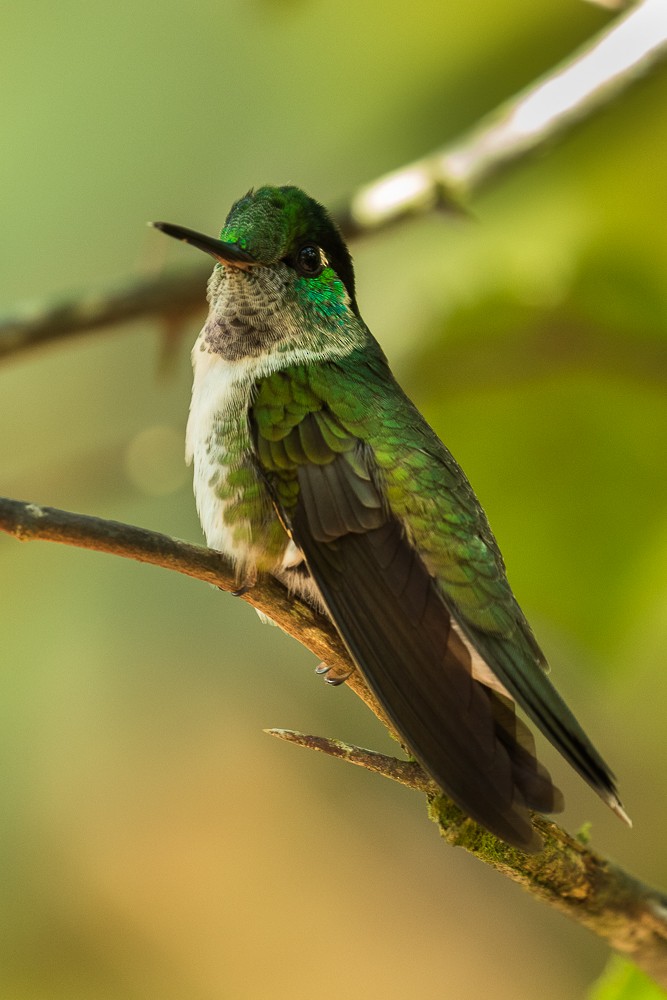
(248, 583)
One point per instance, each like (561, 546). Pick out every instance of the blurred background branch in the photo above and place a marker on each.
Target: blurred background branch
(446, 179)
(567, 874)
(573, 91)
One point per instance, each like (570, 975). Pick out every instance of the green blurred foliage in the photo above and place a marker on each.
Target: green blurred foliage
(153, 842)
(623, 981)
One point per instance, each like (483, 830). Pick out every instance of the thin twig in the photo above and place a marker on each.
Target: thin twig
(628, 914)
(405, 772)
(566, 874)
(610, 62)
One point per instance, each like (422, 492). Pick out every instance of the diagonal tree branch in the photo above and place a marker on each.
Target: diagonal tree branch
(610, 63)
(549, 108)
(567, 874)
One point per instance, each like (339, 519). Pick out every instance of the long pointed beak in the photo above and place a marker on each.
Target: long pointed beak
(226, 253)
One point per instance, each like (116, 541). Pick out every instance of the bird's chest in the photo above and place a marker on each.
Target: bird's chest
(234, 507)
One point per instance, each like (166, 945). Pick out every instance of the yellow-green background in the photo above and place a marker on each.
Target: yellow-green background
(153, 841)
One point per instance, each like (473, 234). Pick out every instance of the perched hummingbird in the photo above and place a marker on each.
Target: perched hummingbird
(311, 464)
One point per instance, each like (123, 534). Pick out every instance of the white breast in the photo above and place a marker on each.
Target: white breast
(220, 389)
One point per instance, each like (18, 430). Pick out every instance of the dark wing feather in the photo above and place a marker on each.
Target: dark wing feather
(398, 629)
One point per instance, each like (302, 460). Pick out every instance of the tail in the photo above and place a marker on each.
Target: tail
(534, 692)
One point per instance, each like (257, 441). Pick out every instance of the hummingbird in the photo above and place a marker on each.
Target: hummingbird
(313, 465)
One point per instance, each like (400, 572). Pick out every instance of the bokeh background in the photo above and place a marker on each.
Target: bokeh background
(153, 841)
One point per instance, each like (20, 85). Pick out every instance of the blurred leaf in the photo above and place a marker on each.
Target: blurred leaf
(622, 980)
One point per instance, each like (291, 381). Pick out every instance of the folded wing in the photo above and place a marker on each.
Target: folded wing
(398, 628)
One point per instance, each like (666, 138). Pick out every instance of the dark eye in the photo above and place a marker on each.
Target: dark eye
(309, 260)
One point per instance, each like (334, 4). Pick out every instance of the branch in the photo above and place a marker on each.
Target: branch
(569, 876)
(447, 178)
(405, 772)
(172, 294)
(29, 522)
(549, 108)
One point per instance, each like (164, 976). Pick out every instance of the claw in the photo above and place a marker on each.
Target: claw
(331, 677)
(337, 679)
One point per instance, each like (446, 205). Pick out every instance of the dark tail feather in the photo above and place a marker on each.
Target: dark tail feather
(537, 696)
(531, 778)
